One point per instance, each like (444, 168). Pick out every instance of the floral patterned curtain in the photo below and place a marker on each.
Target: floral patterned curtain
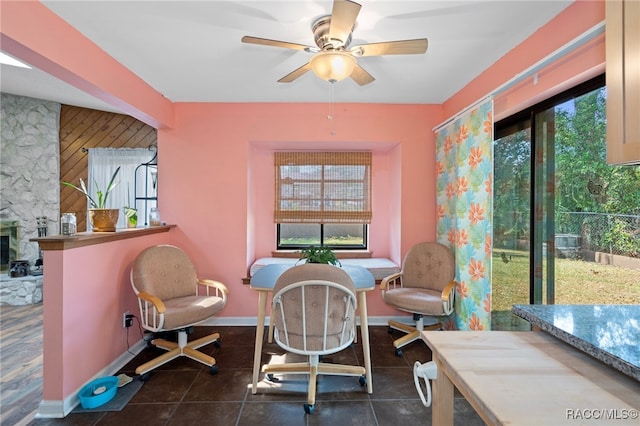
(464, 165)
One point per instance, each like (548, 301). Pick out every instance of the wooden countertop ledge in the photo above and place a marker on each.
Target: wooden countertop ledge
(81, 239)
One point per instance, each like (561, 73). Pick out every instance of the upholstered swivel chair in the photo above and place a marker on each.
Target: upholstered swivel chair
(313, 312)
(424, 286)
(171, 297)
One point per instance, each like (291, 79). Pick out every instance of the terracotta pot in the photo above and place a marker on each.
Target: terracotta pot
(104, 220)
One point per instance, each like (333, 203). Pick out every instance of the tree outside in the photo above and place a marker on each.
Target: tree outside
(597, 201)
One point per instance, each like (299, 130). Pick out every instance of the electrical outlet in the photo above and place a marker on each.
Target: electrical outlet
(127, 320)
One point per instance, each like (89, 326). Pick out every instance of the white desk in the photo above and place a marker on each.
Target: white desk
(527, 378)
(265, 279)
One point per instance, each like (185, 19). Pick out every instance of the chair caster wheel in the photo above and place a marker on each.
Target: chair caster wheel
(399, 352)
(362, 380)
(272, 378)
(308, 408)
(217, 344)
(213, 370)
(144, 377)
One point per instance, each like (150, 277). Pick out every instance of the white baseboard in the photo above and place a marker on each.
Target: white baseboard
(51, 410)
(232, 321)
(59, 409)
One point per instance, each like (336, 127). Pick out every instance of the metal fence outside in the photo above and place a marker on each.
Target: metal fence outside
(617, 234)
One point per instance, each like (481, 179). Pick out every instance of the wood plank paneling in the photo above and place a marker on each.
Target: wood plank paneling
(87, 128)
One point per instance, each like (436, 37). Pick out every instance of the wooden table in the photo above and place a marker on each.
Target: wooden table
(527, 378)
(265, 279)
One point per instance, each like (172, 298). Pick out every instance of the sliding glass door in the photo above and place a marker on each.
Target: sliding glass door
(566, 224)
(511, 223)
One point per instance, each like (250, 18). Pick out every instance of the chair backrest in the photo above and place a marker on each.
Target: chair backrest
(428, 265)
(314, 309)
(164, 271)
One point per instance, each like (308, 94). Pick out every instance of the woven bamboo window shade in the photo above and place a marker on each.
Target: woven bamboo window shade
(323, 187)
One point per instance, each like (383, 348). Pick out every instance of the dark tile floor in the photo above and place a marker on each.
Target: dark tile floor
(183, 392)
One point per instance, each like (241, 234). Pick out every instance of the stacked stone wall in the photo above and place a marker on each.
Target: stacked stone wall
(20, 291)
(29, 167)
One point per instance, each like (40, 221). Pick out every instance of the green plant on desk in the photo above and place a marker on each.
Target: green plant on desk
(321, 254)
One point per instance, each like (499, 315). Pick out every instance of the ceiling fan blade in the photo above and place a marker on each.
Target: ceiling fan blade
(360, 76)
(274, 43)
(400, 47)
(343, 19)
(295, 74)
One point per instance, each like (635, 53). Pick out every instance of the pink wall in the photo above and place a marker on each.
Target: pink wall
(86, 291)
(581, 65)
(218, 184)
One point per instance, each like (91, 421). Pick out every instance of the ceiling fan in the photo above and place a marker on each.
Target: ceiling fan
(333, 58)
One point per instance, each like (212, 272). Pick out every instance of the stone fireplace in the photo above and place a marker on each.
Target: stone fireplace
(24, 290)
(29, 187)
(8, 243)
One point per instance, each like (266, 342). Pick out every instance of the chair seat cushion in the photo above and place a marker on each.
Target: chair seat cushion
(189, 310)
(415, 300)
(314, 343)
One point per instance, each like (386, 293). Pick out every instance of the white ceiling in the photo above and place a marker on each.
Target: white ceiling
(190, 51)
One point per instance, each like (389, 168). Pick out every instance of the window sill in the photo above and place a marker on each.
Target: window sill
(340, 254)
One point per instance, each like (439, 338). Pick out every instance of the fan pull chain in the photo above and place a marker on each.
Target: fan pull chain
(330, 116)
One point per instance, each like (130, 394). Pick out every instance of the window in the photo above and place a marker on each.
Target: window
(299, 235)
(102, 163)
(322, 198)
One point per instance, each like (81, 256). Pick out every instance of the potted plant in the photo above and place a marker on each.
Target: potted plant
(131, 213)
(132, 216)
(321, 254)
(102, 219)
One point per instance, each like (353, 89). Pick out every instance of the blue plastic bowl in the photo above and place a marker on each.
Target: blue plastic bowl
(90, 399)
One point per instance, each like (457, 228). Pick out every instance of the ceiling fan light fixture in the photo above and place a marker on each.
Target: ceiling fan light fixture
(333, 65)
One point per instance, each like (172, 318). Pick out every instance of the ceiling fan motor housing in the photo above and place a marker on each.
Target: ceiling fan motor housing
(320, 28)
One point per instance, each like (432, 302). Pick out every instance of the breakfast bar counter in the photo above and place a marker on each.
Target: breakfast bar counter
(527, 378)
(609, 333)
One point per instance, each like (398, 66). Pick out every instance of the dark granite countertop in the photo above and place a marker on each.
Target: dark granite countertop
(610, 333)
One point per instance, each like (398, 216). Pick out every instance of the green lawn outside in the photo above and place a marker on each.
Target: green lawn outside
(576, 282)
(333, 241)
